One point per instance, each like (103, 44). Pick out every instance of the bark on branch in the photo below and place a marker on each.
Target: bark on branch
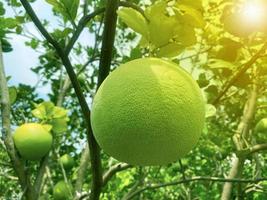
(113, 170)
(81, 25)
(193, 179)
(18, 165)
(257, 148)
(240, 139)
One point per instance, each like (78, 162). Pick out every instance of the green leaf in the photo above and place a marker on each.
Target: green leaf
(210, 110)
(67, 8)
(59, 125)
(243, 81)
(15, 3)
(19, 29)
(44, 110)
(159, 22)
(12, 94)
(158, 8)
(59, 112)
(212, 89)
(33, 43)
(220, 64)
(202, 80)
(170, 51)
(136, 53)
(54, 3)
(143, 42)
(47, 127)
(39, 112)
(197, 4)
(189, 16)
(229, 50)
(6, 46)
(185, 35)
(71, 7)
(49, 108)
(135, 20)
(2, 10)
(9, 23)
(262, 70)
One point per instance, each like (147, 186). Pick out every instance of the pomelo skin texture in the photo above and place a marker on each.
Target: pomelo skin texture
(148, 112)
(32, 141)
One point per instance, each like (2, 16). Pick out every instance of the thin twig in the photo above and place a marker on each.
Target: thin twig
(258, 147)
(113, 170)
(133, 6)
(239, 73)
(84, 164)
(193, 179)
(82, 23)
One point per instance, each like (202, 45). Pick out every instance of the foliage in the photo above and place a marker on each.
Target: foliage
(202, 36)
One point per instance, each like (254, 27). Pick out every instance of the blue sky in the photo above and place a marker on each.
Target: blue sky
(19, 62)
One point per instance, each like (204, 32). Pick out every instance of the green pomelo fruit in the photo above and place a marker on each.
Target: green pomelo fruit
(67, 161)
(32, 141)
(261, 126)
(62, 191)
(148, 112)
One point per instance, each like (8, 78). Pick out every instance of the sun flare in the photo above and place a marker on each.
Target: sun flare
(253, 12)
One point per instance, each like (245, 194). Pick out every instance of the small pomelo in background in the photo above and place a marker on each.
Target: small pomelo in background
(67, 161)
(62, 191)
(148, 112)
(32, 141)
(261, 126)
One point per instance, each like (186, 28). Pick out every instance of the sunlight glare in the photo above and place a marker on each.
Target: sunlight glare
(253, 12)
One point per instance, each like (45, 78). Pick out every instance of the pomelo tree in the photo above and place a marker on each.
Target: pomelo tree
(140, 88)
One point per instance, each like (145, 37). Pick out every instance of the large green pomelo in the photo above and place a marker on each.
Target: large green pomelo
(62, 191)
(148, 112)
(32, 141)
(67, 161)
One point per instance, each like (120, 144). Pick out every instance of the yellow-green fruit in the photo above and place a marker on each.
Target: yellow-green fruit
(62, 191)
(67, 161)
(32, 141)
(261, 126)
(148, 112)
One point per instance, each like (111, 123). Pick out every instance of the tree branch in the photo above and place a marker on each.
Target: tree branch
(235, 171)
(133, 6)
(113, 170)
(240, 139)
(40, 175)
(82, 23)
(8, 176)
(258, 147)
(94, 149)
(108, 40)
(84, 164)
(239, 73)
(104, 69)
(7, 135)
(193, 179)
